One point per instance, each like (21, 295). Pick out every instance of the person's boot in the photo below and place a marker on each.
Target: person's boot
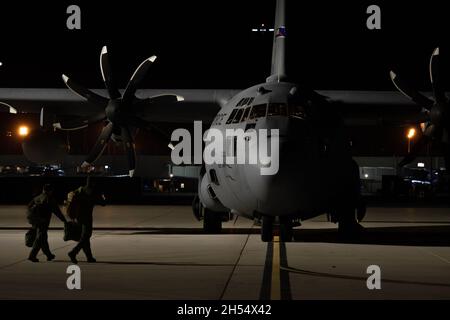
(33, 259)
(73, 257)
(88, 252)
(51, 257)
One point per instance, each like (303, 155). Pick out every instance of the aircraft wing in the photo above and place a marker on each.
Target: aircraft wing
(198, 104)
(375, 108)
(358, 108)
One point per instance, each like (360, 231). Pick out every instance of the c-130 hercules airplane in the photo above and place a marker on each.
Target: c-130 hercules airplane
(316, 175)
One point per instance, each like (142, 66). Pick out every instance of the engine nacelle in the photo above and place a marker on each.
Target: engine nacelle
(44, 147)
(208, 197)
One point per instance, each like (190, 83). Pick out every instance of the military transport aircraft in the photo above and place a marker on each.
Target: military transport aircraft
(316, 175)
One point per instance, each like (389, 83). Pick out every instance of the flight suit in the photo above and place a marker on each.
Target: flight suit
(87, 201)
(47, 206)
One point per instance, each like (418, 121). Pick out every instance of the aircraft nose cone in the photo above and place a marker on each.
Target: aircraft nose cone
(289, 187)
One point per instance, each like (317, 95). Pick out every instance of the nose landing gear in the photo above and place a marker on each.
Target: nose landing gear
(285, 228)
(267, 228)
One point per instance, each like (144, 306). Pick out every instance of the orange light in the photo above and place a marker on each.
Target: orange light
(423, 126)
(23, 131)
(411, 133)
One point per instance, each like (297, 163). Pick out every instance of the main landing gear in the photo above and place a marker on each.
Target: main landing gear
(212, 221)
(350, 229)
(348, 222)
(285, 228)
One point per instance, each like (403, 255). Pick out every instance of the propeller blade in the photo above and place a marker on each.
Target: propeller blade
(11, 109)
(100, 145)
(159, 100)
(166, 98)
(130, 149)
(436, 81)
(142, 124)
(411, 93)
(106, 70)
(84, 92)
(77, 124)
(430, 130)
(136, 78)
(418, 146)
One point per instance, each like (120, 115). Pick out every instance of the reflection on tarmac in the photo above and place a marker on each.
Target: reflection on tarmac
(160, 252)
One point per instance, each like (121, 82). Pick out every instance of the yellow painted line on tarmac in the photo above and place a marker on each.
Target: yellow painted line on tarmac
(275, 288)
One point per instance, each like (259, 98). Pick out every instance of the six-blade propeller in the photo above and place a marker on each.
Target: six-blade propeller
(119, 110)
(437, 126)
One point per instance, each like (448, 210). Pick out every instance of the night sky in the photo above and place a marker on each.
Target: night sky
(209, 44)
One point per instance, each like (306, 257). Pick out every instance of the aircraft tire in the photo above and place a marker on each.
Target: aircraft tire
(286, 230)
(267, 229)
(212, 222)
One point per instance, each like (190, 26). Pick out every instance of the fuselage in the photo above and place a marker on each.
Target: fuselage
(313, 153)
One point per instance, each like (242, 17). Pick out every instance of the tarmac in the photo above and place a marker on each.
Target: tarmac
(161, 252)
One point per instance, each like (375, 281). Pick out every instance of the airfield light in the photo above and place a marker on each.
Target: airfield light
(421, 165)
(411, 133)
(1, 63)
(171, 175)
(23, 131)
(366, 175)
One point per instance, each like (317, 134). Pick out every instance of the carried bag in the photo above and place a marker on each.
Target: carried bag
(30, 237)
(73, 204)
(72, 231)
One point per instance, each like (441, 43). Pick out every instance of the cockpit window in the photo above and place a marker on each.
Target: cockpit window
(246, 112)
(237, 117)
(258, 111)
(277, 109)
(233, 113)
(241, 102)
(245, 102)
(296, 111)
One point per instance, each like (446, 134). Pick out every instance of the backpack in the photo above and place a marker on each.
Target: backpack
(73, 204)
(34, 213)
